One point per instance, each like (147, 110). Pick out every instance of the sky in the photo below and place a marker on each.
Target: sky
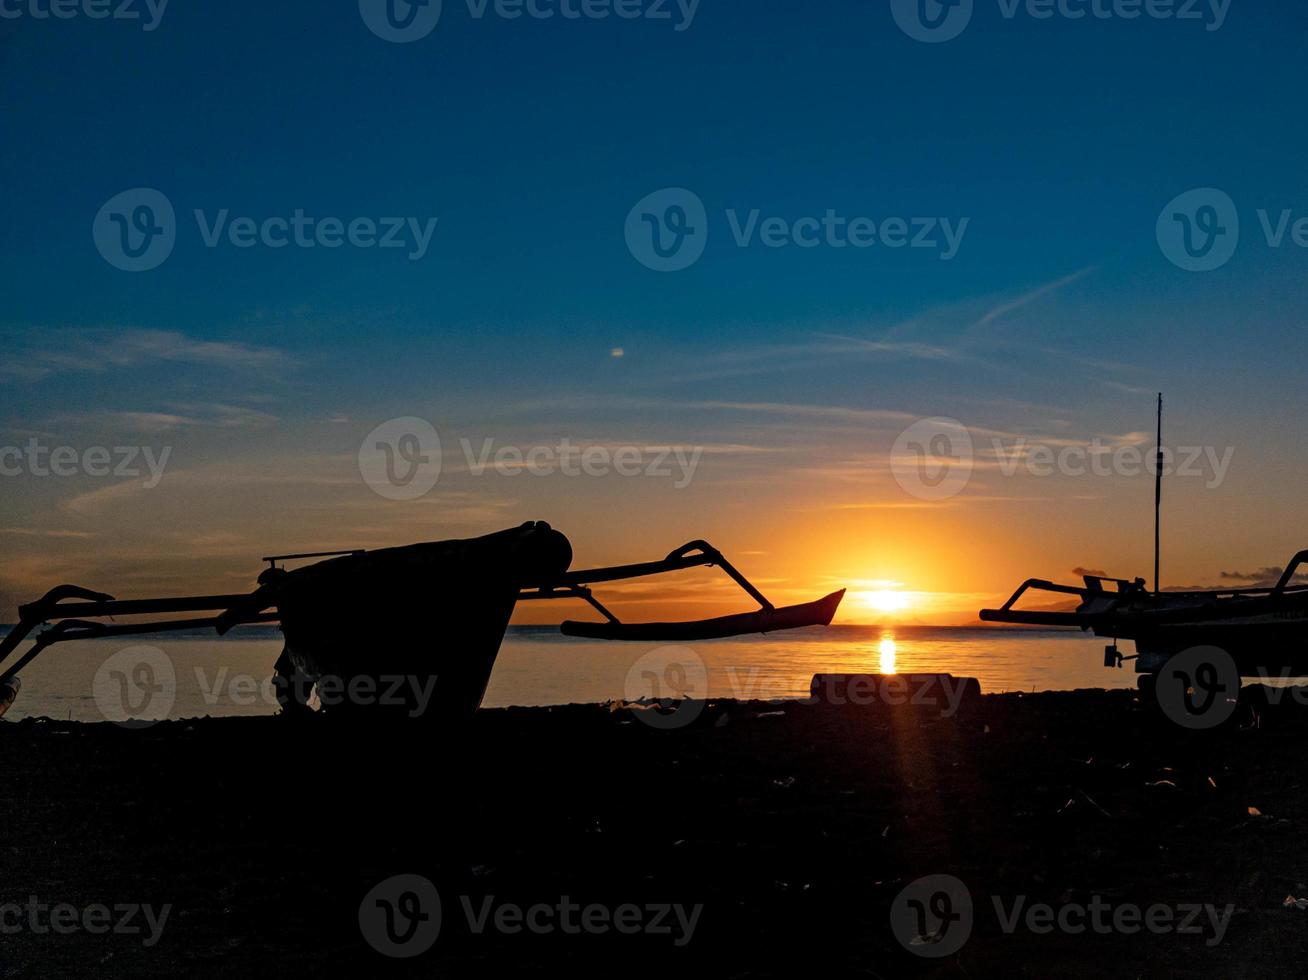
(1022, 222)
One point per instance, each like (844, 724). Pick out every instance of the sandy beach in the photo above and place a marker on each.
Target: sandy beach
(783, 835)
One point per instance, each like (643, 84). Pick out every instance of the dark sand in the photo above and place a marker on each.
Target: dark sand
(796, 832)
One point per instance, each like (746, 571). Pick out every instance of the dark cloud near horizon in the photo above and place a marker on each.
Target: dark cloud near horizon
(1094, 572)
(1266, 576)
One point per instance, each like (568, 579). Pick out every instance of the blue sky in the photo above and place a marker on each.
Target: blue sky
(529, 141)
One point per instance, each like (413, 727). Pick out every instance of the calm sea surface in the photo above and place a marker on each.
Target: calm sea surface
(537, 666)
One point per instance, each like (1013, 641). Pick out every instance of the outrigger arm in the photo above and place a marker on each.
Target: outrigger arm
(75, 620)
(75, 611)
(767, 619)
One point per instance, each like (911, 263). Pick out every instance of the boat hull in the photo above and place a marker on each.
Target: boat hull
(1265, 646)
(1263, 629)
(410, 632)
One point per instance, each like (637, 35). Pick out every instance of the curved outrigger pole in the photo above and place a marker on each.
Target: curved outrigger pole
(767, 619)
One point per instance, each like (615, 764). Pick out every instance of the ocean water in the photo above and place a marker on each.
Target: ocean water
(193, 675)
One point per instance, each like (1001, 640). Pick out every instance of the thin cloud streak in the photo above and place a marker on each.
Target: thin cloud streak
(36, 355)
(1030, 297)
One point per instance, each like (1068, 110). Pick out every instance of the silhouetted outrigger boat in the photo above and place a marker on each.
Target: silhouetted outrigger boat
(433, 611)
(1264, 630)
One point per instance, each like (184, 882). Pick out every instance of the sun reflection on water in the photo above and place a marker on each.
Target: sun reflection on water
(888, 655)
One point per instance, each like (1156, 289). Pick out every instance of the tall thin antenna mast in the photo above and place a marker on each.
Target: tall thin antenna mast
(1158, 495)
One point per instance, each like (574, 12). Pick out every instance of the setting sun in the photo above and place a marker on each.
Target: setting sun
(885, 600)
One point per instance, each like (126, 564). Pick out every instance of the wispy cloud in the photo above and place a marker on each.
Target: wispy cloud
(962, 499)
(838, 412)
(181, 416)
(1266, 576)
(35, 355)
(1128, 389)
(822, 350)
(900, 341)
(902, 348)
(1029, 297)
(27, 532)
(206, 482)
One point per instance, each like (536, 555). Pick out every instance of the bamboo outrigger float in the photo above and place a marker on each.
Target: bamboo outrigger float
(434, 611)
